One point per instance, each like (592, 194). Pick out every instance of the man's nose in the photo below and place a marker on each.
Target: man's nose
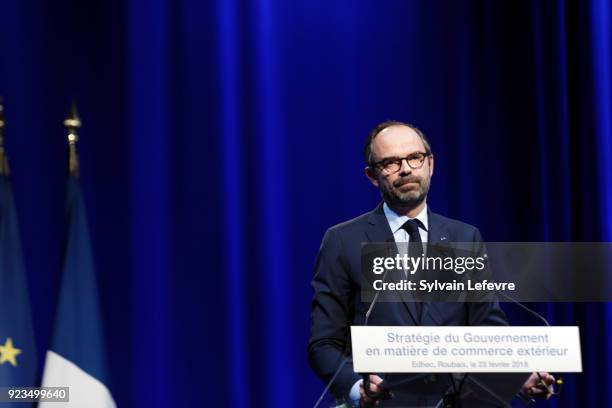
(405, 168)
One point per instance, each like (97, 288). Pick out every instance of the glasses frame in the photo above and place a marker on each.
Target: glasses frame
(379, 164)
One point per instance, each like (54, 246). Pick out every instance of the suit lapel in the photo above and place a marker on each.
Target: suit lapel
(380, 231)
(436, 233)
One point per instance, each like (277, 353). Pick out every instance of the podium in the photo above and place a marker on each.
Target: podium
(468, 366)
(473, 390)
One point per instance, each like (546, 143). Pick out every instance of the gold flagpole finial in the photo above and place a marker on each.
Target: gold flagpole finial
(4, 168)
(72, 124)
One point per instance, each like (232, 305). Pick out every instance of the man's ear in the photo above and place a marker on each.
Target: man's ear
(371, 174)
(431, 165)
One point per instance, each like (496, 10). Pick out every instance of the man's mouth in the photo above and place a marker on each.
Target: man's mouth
(406, 183)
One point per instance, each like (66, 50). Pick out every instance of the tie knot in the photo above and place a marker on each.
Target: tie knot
(412, 226)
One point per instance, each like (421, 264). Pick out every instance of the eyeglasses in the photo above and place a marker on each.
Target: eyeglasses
(394, 164)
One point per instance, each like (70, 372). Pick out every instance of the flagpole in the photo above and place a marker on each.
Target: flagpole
(72, 124)
(4, 168)
(76, 356)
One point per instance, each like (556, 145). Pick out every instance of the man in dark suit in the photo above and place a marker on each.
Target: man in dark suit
(400, 164)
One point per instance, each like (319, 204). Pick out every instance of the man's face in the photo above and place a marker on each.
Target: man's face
(408, 187)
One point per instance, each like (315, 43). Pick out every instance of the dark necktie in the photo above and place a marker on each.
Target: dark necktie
(416, 244)
(415, 250)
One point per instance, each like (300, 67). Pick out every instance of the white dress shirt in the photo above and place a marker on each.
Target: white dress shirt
(396, 221)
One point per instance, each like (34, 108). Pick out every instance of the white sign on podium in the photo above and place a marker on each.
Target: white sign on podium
(466, 349)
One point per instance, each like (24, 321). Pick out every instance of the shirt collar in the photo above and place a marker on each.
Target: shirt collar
(396, 221)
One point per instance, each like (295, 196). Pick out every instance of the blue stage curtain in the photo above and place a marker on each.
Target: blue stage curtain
(222, 138)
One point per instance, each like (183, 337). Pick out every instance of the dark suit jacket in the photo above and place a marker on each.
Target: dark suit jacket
(336, 304)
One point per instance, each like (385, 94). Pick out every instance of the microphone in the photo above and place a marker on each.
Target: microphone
(346, 358)
(529, 310)
(559, 380)
(383, 393)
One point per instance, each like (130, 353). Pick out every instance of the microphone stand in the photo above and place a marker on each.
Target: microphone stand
(454, 399)
(346, 358)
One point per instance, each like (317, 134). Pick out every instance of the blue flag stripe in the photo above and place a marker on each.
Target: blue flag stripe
(15, 318)
(78, 334)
